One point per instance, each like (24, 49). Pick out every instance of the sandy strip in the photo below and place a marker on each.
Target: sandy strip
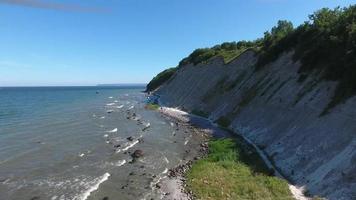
(297, 192)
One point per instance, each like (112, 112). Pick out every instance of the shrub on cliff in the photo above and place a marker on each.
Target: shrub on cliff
(327, 43)
(227, 50)
(160, 79)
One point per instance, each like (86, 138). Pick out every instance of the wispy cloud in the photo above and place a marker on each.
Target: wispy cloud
(54, 6)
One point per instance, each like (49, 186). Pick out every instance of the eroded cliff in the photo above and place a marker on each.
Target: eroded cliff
(278, 111)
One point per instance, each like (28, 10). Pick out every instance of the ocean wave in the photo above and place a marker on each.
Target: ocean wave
(131, 107)
(120, 106)
(106, 135)
(120, 163)
(165, 171)
(128, 146)
(110, 97)
(102, 117)
(166, 159)
(112, 131)
(93, 187)
(186, 142)
(110, 104)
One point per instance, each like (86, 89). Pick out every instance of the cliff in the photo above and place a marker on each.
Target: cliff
(279, 113)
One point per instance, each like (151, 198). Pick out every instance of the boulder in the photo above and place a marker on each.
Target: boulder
(137, 154)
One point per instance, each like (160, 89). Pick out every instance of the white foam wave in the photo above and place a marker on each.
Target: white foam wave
(171, 123)
(106, 135)
(148, 124)
(131, 107)
(165, 171)
(129, 145)
(81, 155)
(116, 101)
(102, 117)
(112, 131)
(186, 142)
(120, 106)
(94, 187)
(166, 159)
(120, 163)
(110, 97)
(110, 104)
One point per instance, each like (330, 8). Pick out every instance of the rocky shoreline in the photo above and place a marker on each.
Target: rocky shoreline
(196, 123)
(174, 186)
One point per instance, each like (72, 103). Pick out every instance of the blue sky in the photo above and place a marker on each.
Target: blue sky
(126, 41)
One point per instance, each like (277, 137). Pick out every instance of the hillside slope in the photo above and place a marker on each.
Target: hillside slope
(293, 93)
(278, 113)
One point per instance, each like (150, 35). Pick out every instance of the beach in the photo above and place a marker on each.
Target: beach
(176, 187)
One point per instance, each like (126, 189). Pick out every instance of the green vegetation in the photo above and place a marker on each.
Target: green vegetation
(160, 79)
(233, 170)
(200, 113)
(326, 44)
(228, 51)
(223, 122)
(152, 106)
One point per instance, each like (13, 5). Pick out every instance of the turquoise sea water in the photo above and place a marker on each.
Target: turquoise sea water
(63, 143)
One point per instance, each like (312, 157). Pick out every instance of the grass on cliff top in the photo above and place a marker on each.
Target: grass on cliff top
(161, 78)
(231, 171)
(227, 50)
(152, 106)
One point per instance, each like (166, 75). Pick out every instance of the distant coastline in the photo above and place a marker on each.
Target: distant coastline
(123, 85)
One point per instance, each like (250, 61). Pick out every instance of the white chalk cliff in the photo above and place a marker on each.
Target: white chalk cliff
(279, 114)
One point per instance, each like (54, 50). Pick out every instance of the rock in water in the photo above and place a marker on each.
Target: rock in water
(137, 154)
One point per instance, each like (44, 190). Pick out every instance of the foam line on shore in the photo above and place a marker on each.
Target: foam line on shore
(130, 145)
(94, 187)
(112, 131)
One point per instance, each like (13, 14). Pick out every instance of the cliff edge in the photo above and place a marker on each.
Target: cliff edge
(294, 100)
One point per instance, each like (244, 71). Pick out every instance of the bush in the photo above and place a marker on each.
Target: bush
(228, 51)
(160, 79)
(327, 43)
(152, 106)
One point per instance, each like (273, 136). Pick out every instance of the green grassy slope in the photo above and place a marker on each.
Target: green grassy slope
(234, 171)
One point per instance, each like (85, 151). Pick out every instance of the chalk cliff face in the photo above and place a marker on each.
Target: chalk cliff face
(281, 115)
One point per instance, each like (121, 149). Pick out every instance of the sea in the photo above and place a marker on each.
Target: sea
(75, 143)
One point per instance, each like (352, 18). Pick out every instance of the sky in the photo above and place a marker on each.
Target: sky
(81, 42)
